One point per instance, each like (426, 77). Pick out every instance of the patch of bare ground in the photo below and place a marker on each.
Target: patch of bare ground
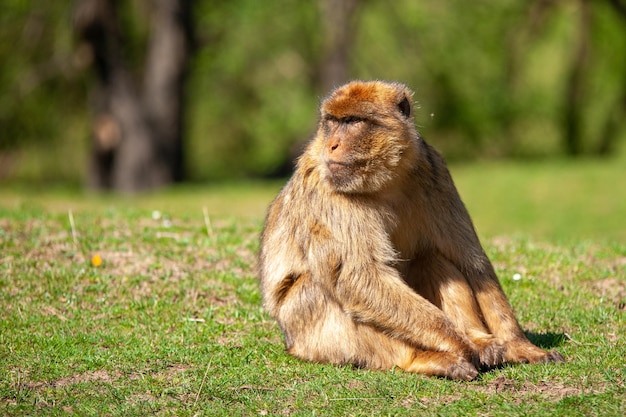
(169, 374)
(521, 391)
(517, 260)
(613, 289)
(413, 402)
(91, 376)
(172, 375)
(562, 271)
(129, 250)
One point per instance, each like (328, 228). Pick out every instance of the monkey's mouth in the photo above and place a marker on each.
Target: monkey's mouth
(336, 167)
(350, 164)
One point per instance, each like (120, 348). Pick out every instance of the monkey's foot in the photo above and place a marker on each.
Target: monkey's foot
(442, 364)
(526, 352)
(491, 351)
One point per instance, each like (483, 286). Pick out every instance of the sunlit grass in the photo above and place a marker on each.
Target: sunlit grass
(149, 305)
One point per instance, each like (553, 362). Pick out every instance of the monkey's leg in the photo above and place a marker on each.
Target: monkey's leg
(460, 245)
(499, 317)
(335, 338)
(318, 329)
(444, 285)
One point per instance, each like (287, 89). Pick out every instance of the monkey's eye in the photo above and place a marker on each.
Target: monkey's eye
(351, 120)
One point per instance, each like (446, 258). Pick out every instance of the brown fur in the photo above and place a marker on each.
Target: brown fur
(369, 257)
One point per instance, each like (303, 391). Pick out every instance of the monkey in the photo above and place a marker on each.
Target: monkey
(368, 257)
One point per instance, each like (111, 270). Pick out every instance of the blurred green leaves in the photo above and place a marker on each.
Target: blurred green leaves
(490, 79)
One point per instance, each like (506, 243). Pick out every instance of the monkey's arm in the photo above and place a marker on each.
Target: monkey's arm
(376, 295)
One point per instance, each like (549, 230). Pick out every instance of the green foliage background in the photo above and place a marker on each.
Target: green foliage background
(489, 77)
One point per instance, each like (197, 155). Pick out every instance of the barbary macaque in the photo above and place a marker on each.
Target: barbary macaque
(369, 257)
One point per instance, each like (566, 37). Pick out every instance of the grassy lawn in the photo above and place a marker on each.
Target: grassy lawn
(170, 323)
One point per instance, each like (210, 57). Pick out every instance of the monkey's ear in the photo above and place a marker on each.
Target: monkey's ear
(405, 107)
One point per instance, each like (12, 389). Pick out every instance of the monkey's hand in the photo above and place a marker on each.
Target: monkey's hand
(443, 364)
(462, 369)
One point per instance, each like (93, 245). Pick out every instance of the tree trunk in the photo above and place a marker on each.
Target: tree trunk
(338, 19)
(613, 124)
(574, 95)
(616, 116)
(137, 140)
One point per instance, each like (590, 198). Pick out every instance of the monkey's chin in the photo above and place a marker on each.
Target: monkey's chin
(341, 178)
(350, 181)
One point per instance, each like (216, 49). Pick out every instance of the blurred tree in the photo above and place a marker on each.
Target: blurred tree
(578, 84)
(337, 19)
(137, 135)
(575, 89)
(492, 80)
(38, 81)
(255, 95)
(617, 114)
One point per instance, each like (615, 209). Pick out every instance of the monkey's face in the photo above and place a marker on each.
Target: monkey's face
(366, 136)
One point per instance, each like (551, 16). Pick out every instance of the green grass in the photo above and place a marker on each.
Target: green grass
(562, 200)
(171, 323)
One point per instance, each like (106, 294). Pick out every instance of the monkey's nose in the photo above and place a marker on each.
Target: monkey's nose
(332, 144)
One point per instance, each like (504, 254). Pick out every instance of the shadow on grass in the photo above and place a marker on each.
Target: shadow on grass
(546, 340)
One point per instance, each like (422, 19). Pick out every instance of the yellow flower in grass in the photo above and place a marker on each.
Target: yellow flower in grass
(96, 260)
